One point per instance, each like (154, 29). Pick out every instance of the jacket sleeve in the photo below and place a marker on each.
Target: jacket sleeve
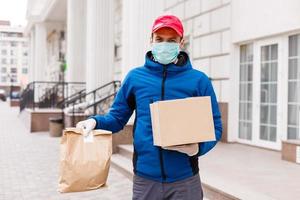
(207, 90)
(120, 111)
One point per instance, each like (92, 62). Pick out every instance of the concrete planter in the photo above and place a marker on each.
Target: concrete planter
(291, 150)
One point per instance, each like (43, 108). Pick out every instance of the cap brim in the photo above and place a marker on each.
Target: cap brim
(166, 26)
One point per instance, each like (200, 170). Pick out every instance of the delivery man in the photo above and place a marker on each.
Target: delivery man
(167, 74)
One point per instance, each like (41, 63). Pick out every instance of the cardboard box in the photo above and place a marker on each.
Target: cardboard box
(182, 121)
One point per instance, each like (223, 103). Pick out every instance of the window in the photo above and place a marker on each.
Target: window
(293, 121)
(24, 70)
(13, 70)
(4, 34)
(4, 43)
(13, 44)
(3, 61)
(13, 61)
(268, 92)
(245, 97)
(3, 79)
(3, 52)
(14, 78)
(3, 70)
(13, 34)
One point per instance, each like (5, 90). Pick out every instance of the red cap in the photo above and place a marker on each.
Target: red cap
(170, 21)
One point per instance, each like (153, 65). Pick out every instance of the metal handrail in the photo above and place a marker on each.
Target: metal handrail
(71, 99)
(81, 96)
(95, 104)
(98, 98)
(30, 97)
(104, 97)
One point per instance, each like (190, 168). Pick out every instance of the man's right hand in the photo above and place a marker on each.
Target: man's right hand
(87, 126)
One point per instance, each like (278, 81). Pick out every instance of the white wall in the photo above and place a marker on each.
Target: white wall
(137, 19)
(76, 41)
(40, 52)
(207, 28)
(53, 39)
(118, 10)
(99, 43)
(261, 18)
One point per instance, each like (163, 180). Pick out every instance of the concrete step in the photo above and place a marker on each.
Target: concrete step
(125, 150)
(122, 161)
(123, 165)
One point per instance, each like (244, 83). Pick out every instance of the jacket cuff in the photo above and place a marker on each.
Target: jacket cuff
(97, 123)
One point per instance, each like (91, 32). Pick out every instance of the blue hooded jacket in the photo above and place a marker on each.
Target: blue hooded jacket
(145, 85)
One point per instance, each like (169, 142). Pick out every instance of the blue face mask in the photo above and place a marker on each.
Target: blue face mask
(165, 52)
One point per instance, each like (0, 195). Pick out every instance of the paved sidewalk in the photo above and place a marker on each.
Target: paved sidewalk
(250, 173)
(29, 165)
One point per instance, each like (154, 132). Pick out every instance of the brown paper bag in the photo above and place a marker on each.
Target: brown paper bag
(84, 165)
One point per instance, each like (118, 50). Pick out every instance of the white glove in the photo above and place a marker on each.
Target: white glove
(87, 126)
(189, 149)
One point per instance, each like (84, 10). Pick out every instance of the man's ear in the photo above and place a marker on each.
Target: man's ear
(151, 38)
(181, 44)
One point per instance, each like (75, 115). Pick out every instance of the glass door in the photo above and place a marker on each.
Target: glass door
(267, 88)
(293, 119)
(268, 92)
(245, 92)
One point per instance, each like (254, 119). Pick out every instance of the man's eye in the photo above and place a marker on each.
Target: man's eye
(158, 40)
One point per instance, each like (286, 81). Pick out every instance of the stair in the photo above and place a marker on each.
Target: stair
(123, 165)
(122, 161)
(126, 150)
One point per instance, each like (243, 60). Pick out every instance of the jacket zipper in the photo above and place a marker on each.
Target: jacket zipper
(162, 98)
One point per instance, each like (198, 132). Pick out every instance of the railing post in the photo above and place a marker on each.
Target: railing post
(94, 102)
(115, 86)
(52, 96)
(80, 100)
(33, 106)
(73, 115)
(94, 94)
(67, 90)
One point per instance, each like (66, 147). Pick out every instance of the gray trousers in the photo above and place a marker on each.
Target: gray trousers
(187, 189)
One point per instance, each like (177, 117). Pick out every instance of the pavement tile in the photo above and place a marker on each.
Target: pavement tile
(29, 165)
